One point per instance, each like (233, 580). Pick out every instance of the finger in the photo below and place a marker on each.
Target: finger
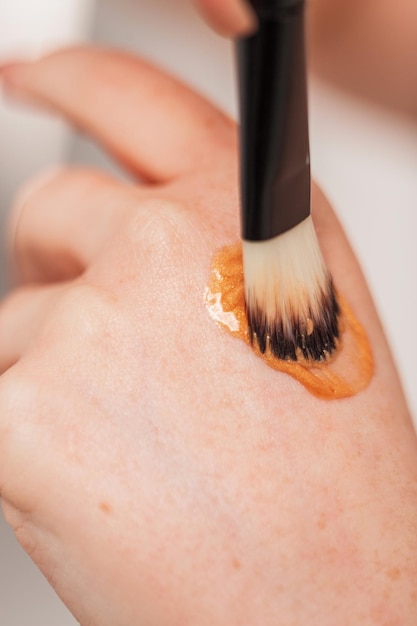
(153, 124)
(228, 17)
(60, 222)
(21, 316)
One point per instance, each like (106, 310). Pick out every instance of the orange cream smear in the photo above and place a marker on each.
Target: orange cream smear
(344, 374)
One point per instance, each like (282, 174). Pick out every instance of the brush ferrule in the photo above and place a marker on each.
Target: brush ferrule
(275, 158)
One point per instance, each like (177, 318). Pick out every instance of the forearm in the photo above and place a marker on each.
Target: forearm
(367, 47)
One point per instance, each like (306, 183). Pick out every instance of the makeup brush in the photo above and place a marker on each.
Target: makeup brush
(291, 304)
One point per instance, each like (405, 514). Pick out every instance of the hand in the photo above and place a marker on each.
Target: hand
(153, 467)
(229, 17)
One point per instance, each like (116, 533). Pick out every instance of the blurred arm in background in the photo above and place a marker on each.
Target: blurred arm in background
(369, 47)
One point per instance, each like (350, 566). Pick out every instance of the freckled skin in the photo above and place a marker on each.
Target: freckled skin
(105, 507)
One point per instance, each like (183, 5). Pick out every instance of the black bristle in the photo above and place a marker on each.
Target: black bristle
(298, 343)
(262, 341)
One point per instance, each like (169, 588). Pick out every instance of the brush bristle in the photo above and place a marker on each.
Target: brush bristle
(291, 303)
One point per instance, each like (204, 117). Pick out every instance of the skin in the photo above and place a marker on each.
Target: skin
(151, 465)
(228, 17)
(369, 47)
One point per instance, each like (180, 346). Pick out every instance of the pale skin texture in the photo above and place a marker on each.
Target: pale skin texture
(153, 467)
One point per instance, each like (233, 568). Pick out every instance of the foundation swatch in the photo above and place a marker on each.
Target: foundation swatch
(344, 374)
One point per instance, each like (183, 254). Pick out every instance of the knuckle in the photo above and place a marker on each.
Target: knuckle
(75, 186)
(159, 229)
(17, 394)
(23, 314)
(22, 522)
(85, 313)
(27, 198)
(23, 531)
(21, 396)
(154, 222)
(19, 522)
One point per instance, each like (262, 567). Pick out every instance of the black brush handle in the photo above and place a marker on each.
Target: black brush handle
(274, 138)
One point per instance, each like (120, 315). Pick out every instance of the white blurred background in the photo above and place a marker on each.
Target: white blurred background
(364, 157)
